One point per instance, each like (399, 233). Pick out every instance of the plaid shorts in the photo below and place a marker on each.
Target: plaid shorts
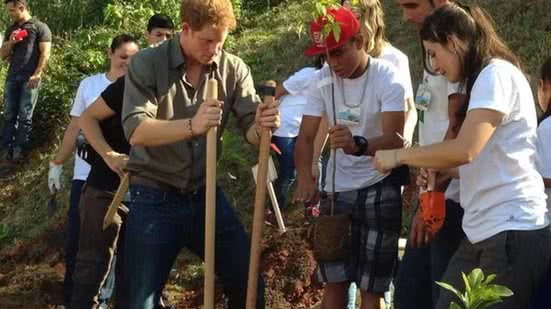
(376, 213)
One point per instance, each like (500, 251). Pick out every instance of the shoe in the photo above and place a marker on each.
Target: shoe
(269, 218)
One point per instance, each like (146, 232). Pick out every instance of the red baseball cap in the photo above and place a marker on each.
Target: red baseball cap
(347, 22)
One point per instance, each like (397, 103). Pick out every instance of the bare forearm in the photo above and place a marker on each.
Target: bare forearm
(304, 149)
(41, 64)
(280, 91)
(547, 183)
(386, 141)
(447, 154)
(155, 132)
(252, 136)
(68, 143)
(92, 131)
(6, 49)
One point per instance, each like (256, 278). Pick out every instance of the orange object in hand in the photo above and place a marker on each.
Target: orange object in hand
(433, 210)
(433, 206)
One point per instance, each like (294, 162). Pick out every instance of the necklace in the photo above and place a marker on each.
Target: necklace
(366, 73)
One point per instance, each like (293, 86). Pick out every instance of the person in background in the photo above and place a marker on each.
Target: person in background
(159, 29)
(101, 125)
(494, 156)
(26, 46)
(543, 299)
(122, 48)
(292, 97)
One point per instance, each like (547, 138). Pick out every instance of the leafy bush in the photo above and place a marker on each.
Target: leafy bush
(73, 58)
(132, 16)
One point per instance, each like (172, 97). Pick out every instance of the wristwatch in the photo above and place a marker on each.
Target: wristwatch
(362, 144)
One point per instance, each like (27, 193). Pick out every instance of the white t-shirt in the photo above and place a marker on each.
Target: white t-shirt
(382, 90)
(292, 105)
(401, 62)
(544, 155)
(435, 120)
(501, 188)
(88, 91)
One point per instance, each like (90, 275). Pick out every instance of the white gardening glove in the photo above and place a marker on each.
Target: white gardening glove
(54, 177)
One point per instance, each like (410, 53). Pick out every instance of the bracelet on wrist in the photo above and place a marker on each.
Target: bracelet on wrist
(190, 126)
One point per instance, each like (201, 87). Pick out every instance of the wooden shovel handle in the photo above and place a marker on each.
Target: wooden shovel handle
(210, 211)
(431, 180)
(259, 200)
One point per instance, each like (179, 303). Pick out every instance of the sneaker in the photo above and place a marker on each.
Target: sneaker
(269, 217)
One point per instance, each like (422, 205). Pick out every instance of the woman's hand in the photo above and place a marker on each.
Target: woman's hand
(386, 160)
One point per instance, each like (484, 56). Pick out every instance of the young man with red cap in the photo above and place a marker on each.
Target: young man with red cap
(364, 100)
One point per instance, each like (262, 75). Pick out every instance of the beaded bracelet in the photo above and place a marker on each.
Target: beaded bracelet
(190, 126)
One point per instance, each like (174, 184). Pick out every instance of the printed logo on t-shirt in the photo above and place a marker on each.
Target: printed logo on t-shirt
(349, 116)
(423, 96)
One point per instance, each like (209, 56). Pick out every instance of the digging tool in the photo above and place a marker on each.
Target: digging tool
(259, 200)
(272, 176)
(432, 205)
(52, 204)
(210, 211)
(117, 200)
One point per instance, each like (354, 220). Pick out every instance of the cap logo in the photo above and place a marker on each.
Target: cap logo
(318, 39)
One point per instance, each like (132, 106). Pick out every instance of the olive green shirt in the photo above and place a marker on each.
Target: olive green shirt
(156, 87)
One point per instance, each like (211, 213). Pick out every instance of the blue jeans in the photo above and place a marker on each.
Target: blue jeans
(72, 234)
(286, 167)
(421, 267)
(161, 223)
(19, 101)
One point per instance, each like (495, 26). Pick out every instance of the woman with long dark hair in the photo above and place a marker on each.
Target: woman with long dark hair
(494, 156)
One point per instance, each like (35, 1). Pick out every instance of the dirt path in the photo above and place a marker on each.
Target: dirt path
(31, 273)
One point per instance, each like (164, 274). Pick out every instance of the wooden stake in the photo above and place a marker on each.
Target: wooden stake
(272, 176)
(277, 211)
(259, 200)
(210, 211)
(117, 200)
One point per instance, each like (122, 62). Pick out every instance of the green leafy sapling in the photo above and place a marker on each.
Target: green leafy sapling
(479, 292)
